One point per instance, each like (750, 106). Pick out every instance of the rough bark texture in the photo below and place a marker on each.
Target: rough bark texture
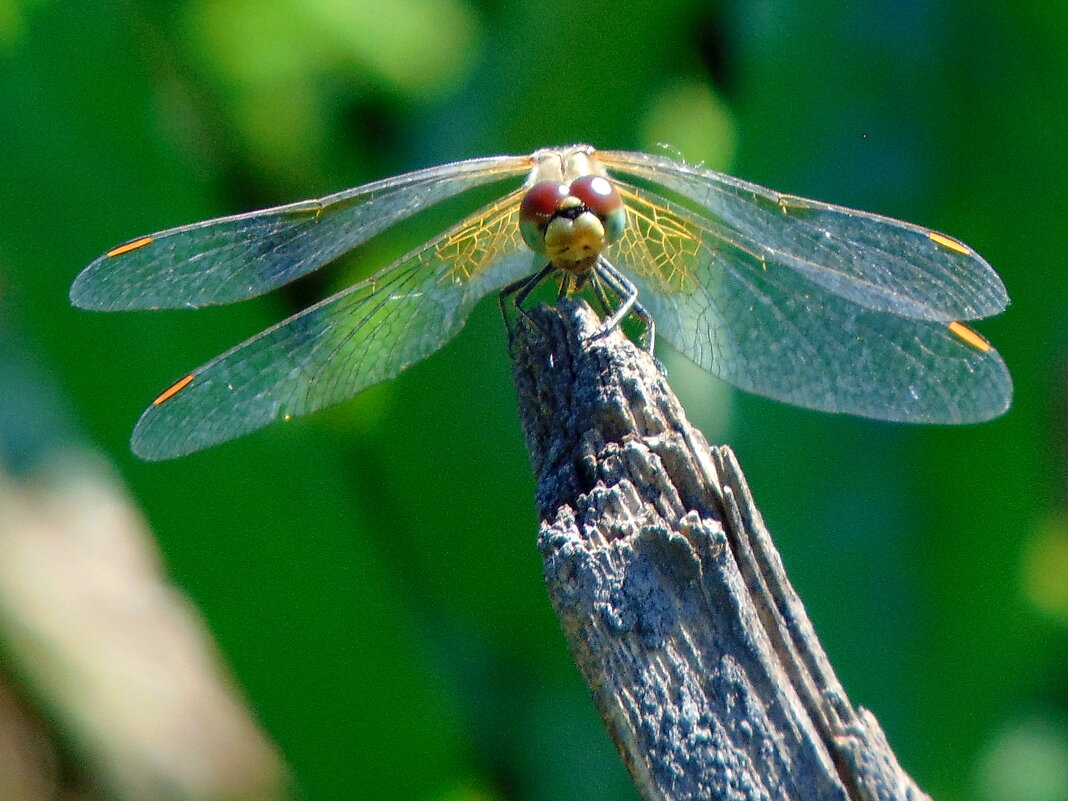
(698, 653)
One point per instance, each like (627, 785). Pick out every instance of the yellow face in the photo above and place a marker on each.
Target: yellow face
(572, 224)
(574, 243)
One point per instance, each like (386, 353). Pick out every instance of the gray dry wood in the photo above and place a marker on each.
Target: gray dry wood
(697, 652)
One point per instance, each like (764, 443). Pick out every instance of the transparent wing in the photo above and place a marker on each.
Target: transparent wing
(365, 334)
(234, 258)
(776, 332)
(877, 262)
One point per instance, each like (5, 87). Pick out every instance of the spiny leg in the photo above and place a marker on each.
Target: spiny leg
(567, 285)
(649, 334)
(628, 296)
(623, 288)
(521, 289)
(602, 297)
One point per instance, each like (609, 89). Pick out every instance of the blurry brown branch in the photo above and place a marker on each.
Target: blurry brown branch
(110, 684)
(698, 653)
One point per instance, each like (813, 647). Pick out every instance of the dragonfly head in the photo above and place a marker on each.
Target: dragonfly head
(572, 224)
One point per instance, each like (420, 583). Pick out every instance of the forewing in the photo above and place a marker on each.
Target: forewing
(877, 262)
(368, 333)
(234, 258)
(772, 331)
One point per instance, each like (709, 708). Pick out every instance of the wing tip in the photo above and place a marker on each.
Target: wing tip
(85, 291)
(80, 295)
(154, 449)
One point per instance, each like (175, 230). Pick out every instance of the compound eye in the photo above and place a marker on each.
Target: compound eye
(599, 195)
(536, 210)
(541, 202)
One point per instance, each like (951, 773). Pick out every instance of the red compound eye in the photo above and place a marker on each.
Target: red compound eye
(597, 194)
(541, 201)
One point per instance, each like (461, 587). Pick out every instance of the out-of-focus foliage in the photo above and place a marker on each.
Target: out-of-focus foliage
(118, 658)
(370, 574)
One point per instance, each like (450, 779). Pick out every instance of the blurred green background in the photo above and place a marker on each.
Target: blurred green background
(369, 573)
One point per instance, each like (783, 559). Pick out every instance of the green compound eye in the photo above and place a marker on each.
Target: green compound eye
(599, 196)
(537, 208)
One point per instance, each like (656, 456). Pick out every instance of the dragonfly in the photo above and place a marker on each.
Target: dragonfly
(810, 303)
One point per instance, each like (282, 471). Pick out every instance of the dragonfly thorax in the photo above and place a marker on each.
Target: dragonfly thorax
(572, 224)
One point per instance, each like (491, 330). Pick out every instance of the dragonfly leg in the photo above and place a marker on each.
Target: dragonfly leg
(626, 291)
(628, 296)
(649, 334)
(520, 290)
(567, 285)
(602, 296)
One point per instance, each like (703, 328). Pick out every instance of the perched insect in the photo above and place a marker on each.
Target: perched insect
(810, 303)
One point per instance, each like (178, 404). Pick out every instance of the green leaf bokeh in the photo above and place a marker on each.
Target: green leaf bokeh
(370, 573)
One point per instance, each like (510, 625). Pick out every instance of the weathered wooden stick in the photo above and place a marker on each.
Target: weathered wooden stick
(698, 653)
